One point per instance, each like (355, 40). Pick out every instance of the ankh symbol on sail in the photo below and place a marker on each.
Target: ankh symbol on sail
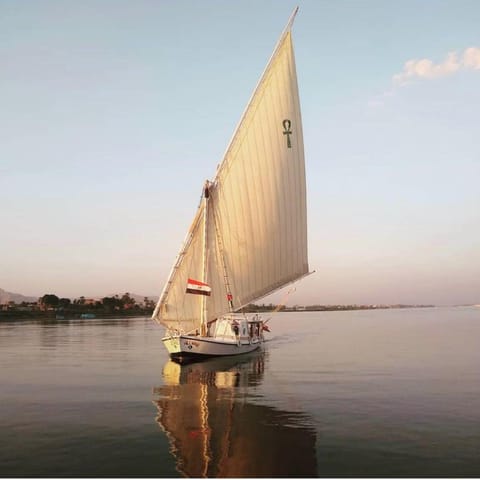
(286, 125)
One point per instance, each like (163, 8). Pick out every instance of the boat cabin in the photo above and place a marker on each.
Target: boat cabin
(237, 328)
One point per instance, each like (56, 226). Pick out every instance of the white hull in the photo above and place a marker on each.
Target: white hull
(184, 347)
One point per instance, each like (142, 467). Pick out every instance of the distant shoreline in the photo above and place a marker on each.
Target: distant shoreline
(52, 316)
(12, 315)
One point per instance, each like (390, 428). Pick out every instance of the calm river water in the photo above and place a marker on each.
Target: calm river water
(363, 393)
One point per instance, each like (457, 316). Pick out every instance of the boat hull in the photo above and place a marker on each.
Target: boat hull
(188, 347)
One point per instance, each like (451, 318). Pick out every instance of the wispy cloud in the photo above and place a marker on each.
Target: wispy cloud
(427, 69)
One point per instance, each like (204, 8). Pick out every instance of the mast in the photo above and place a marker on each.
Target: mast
(206, 195)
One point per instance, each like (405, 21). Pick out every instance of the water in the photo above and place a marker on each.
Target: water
(365, 393)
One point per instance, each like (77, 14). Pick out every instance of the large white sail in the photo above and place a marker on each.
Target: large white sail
(259, 194)
(256, 222)
(176, 309)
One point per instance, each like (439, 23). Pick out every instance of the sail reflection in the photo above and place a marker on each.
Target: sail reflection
(215, 428)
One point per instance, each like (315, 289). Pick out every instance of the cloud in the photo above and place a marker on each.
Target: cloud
(469, 59)
(427, 69)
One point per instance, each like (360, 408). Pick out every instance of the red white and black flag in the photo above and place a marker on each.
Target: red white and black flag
(198, 288)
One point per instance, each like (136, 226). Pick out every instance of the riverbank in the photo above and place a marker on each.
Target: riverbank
(18, 314)
(8, 316)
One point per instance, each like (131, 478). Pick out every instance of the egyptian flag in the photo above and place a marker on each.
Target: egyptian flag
(199, 288)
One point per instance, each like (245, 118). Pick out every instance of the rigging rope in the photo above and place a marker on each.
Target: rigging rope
(281, 304)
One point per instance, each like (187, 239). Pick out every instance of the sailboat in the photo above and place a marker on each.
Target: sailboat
(248, 237)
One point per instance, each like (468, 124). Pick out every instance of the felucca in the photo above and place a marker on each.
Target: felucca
(249, 235)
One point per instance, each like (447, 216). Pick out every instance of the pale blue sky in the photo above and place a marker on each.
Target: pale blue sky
(113, 113)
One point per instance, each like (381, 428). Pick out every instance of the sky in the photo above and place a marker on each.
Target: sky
(113, 113)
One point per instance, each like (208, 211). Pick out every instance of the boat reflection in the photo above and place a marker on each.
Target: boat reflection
(217, 428)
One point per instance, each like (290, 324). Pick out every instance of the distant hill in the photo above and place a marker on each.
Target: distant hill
(138, 298)
(6, 297)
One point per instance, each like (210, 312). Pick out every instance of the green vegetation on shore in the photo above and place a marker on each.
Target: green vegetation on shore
(52, 307)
